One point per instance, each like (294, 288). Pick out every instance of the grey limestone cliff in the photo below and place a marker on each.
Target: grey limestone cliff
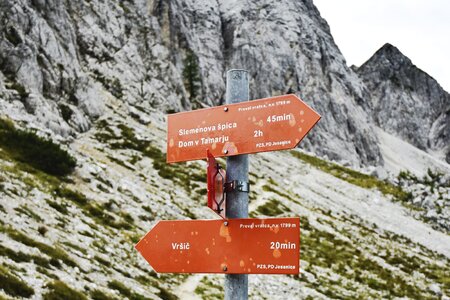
(60, 60)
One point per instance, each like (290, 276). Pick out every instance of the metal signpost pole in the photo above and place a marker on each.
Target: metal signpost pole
(236, 286)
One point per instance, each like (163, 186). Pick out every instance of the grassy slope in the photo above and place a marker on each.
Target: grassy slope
(342, 256)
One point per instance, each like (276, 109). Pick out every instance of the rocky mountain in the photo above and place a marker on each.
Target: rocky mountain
(84, 90)
(60, 61)
(407, 102)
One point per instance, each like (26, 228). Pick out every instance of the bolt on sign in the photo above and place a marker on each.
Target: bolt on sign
(269, 124)
(234, 246)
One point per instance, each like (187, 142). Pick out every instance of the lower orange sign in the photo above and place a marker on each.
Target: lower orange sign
(234, 246)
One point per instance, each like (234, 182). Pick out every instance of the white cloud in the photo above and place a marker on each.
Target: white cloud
(419, 28)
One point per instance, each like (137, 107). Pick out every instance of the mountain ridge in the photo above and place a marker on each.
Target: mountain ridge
(98, 78)
(407, 101)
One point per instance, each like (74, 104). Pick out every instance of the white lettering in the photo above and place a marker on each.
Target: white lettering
(220, 140)
(286, 245)
(182, 144)
(181, 246)
(261, 106)
(226, 126)
(197, 130)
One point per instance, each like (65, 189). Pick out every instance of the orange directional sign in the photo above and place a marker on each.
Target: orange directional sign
(241, 246)
(269, 124)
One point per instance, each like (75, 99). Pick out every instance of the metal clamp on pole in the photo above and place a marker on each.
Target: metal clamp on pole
(237, 185)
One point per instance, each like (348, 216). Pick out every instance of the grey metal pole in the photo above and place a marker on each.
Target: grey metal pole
(236, 286)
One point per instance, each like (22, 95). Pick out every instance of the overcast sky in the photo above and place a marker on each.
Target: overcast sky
(420, 29)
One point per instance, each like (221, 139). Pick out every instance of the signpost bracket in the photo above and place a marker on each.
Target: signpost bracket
(219, 204)
(237, 185)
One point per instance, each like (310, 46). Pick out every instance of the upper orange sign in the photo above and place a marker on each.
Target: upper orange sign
(268, 124)
(234, 246)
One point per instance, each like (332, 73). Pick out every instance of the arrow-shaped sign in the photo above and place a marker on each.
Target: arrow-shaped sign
(269, 124)
(235, 246)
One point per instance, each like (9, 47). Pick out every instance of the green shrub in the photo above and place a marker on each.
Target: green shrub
(270, 188)
(406, 175)
(209, 290)
(24, 210)
(40, 153)
(66, 112)
(42, 230)
(59, 207)
(102, 261)
(76, 247)
(46, 272)
(113, 85)
(124, 291)
(20, 90)
(432, 179)
(97, 213)
(69, 194)
(58, 290)
(13, 35)
(191, 75)
(53, 252)
(99, 295)
(119, 286)
(166, 295)
(272, 208)
(23, 257)
(15, 256)
(13, 286)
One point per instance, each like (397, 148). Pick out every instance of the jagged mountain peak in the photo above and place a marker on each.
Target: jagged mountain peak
(390, 51)
(388, 59)
(406, 101)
